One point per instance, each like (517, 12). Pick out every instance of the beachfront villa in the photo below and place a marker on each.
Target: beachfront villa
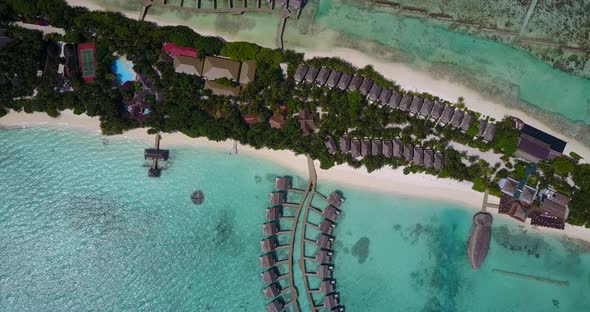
(308, 121)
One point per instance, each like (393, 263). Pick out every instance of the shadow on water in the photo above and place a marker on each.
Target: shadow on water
(360, 249)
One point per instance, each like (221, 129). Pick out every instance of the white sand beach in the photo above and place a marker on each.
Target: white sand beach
(386, 180)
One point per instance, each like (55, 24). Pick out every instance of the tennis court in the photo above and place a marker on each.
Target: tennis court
(87, 63)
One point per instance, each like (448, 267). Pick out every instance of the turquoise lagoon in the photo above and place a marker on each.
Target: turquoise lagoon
(82, 228)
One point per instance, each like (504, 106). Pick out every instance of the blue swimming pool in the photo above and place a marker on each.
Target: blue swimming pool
(123, 70)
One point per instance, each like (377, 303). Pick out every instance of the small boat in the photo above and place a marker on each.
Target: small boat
(479, 239)
(198, 197)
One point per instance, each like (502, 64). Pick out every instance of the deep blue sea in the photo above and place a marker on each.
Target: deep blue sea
(82, 228)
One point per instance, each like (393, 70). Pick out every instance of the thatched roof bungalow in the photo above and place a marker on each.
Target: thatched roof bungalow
(188, 65)
(331, 145)
(331, 301)
(327, 227)
(366, 86)
(300, 73)
(277, 198)
(398, 148)
(330, 213)
(481, 127)
(404, 106)
(426, 108)
(439, 161)
(277, 121)
(327, 286)
(436, 111)
(355, 149)
(416, 105)
(488, 135)
(344, 81)
(221, 89)
(269, 276)
(447, 115)
(248, 72)
(325, 271)
(322, 77)
(355, 83)
(267, 261)
(375, 92)
(271, 292)
(218, 67)
(335, 199)
(282, 183)
(429, 158)
(418, 156)
(365, 147)
(308, 121)
(275, 306)
(344, 144)
(268, 244)
(273, 214)
(376, 148)
(334, 78)
(387, 149)
(408, 152)
(457, 118)
(325, 241)
(324, 256)
(270, 229)
(394, 100)
(311, 75)
(385, 96)
(466, 123)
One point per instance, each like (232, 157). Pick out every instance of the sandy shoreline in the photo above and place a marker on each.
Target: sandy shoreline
(382, 181)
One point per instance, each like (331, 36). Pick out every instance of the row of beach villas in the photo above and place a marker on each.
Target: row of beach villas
(323, 256)
(423, 108)
(186, 61)
(415, 155)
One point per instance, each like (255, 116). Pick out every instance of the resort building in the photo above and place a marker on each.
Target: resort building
(327, 227)
(331, 301)
(418, 156)
(324, 241)
(247, 72)
(355, 83)
(436, 111)
(331, 145)
(376, 148)
(277, 121)
(334, 78)
(323, 256)
(457, 118)
(446, 115)
(322, 77)
(556, 145)
(50, 62)
(344, 81)
(466, 123)
(335, 199)
(282, 183)
(71, 66)
(405, 103)
(428, 158)
(188, 65)
(275, 306)
(270, 229)
(365, 147)
(553, 211)
(408, 152)
(394, 100)
(416, 105)
(271, 292)
(87, 61)
(374, 93)
(489, 133)
(426, 108)
(518, 190)
(273, 214)
(366, 86)
(481, 127)
(508, 186)
(222, 89)
(300, 73)
(325, 271)
(174, 51)
(268, 244)
(277, 198)
(327, 286)
(387, 149)
(311, 75)
(308, 121)
(385, 96)
(330, 213)
(269, 276)
(439, 161)
(355, 149)
(532, 149)
(250, 119)
(397, 148)
(344, 144)
(267, 261)
(217, 68)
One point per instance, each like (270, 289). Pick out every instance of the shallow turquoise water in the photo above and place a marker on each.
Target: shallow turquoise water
(83, 228)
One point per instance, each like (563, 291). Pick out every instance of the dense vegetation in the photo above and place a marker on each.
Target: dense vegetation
(188, 108)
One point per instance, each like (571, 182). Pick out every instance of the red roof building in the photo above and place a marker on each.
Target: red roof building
(175, 50)
(87, 61)
(250, 119)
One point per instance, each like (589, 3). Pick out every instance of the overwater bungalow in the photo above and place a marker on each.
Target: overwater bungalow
(426, 108)
(457, 118)
(385, 96)
(436, 111)
(325, 271)
(324, 256)
(408, 152)
(439, 161)
(322, 77)
(466, 123)
(330, 213)
(387, 149)
(355, 83)
(394, 100)
(158, 154)
(344, 81)
(311, 75)
(267, 261)
(273, 214)
(268, 244)
(282, 183)
(365, 147)
(335, 199)
(429, 158)
(277, 198)
(327, 286)
(376, 148)
(275, 306)
(327, 227)
(334, 78)
(481, 127)
(344, 144)
(479, 239)
(270, 229)
(300, 73)
(295, 4)
(366, 86)
(447, 114)
(355, 148)
(374, 93)
(488, 135)
(418, 156)
(397, 148)
(269, 276)
(325, 241)
(331, 145)
(271, 292)
(331, 301)
(416, 105)
(404, 105)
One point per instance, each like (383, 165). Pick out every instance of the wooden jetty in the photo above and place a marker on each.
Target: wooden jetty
(534, 278)
(155, 154)
(479, 239)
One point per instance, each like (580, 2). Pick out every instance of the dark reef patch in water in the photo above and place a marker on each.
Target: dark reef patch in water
(531, 245)
(397, 227)
(360, 249)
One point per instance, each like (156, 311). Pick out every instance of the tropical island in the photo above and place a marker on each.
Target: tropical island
(322, 107)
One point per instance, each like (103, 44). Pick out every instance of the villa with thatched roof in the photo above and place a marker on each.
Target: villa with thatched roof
(282, 183)
(488, 135)
(404, 106)
(335, 199)
(447, 115)
(269, 276)
(268, 244)
(333, 79)
(276, 198)
(271, 292)
(270, 229)
(436, 111)
(344, 144)
(365, 147)
(247, 72)
(439, 161)
(188, 65)
(428, 158)
(275, 306)
(300, 73)
(322, 77)
(276, 121)
(416, 105)
(267, 261)
(385, 96)
(366, 86)
(331, 301)
(330, 213)
(325, 271)
(375, 92)
(273, 214)
(327, 286)
(457, 118)
(327, 227)
(324, 241)
(312, 74)
(308, 121)
(355, 83)
(376, 148)
(426, 108)
(394, 100)
(355, 148)
(387, 149)
(250, 119)
(418, 156)
(221, 89)
(217, 67)
(344, 81)
(408, 152)
(466, 123)
(331, 145)
(481, 127)
(398, 148)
